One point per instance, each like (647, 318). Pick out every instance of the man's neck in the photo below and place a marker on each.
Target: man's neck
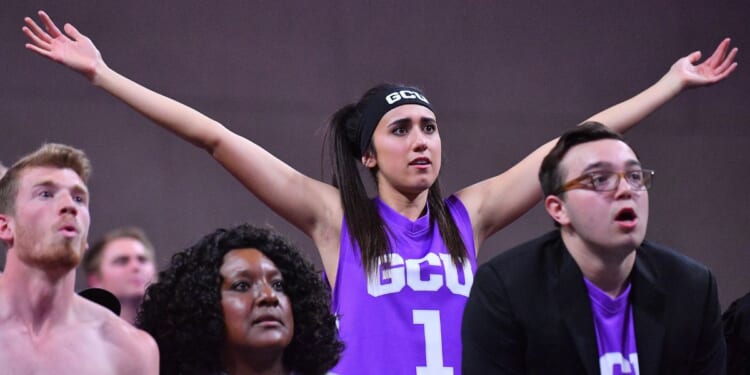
(129, 309)
(33, 297)
(608, 269)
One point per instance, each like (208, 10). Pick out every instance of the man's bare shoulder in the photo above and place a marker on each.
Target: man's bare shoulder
(90, 340)
(121, 341)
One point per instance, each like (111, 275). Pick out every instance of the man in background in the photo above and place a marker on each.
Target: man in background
(122, 262)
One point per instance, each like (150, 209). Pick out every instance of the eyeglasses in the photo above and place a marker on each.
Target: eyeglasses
(639, 179)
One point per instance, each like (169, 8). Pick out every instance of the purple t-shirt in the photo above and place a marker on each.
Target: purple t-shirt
(615, 331)
(406, 319)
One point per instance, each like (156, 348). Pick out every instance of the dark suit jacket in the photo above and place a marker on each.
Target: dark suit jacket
(737, 333)
(529, 313)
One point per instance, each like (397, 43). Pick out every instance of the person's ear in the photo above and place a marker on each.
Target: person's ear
(6, 228)
(93, 281)
(369, 160)
(555, 207)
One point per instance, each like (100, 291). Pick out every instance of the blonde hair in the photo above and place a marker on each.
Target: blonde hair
(49, 155)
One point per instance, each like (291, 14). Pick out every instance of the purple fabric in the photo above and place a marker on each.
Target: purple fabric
(615, 332)
(407, 319)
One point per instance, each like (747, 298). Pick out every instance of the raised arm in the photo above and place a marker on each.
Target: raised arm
(312, 206)
(498, 201)
(683, 74)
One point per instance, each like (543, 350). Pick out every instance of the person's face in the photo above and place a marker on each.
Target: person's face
(257, 311)
(126, 268)
(407, 149)
(609, 220)
(50, 225)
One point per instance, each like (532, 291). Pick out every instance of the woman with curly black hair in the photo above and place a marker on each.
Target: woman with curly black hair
(241, 301)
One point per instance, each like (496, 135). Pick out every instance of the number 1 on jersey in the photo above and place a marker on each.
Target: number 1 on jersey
(433, 340)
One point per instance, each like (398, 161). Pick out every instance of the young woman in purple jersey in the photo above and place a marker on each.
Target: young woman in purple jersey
(400, 301)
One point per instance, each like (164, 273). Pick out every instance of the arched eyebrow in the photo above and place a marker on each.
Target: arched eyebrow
(78, 188)
(46, 184)
(120, 258)
(245, 273)
(602, 165)
(407, 121)
(75, 190)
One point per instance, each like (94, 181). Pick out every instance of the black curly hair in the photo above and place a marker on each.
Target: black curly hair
(183, 310)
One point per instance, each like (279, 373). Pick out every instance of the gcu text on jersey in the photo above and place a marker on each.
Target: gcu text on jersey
(427, 274)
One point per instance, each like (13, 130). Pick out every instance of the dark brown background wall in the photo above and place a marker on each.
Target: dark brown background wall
(504, 76)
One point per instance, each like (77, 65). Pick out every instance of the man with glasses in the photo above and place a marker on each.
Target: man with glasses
(593, 297)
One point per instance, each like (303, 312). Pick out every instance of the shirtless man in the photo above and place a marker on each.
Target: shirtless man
(44, 326)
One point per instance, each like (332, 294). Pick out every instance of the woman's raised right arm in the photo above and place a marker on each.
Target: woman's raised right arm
(312, 206)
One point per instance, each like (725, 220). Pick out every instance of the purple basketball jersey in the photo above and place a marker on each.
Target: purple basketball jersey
(406, 319)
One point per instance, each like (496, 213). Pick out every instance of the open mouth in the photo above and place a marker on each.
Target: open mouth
(420, 161)
(69, 229)
(626, 214)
